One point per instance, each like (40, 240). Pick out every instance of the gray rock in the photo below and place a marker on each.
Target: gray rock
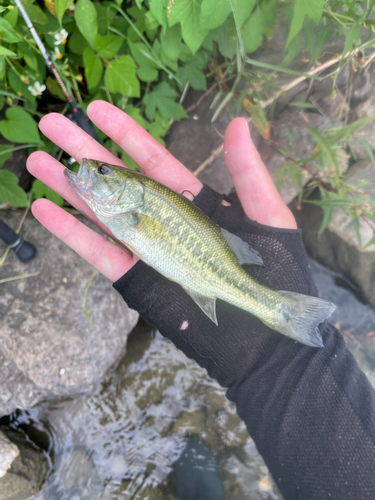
(27, 472)
(364, 107)
(338, 247)
(8, 452)
(193, 139)
(291, 136)
(48, 347)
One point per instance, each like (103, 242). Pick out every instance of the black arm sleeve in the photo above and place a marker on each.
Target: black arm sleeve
(310, 411)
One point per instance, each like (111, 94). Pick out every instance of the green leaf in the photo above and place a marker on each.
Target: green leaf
(36, 14)
(77, 43)
(324, 147)
(147, 71)
(227, 40)
(349, 129)
(19, 126)
(86, 18)
(357, 231)
(214, 13)
(171, 42)
(151, 23)
(5, 153)
(336, 202)
(93, 68)
(61, 6)
(302, 8)
(12, 16)
(42, 191)
(243, 9)
(6, 52)
(7, 33)
(188, 12)
(159, 128)
(192, 71)
(10, 191)
(54, 88)
(162, 98)
(252, 30)
(107, 46)
(159, 9)
(120, 77)
(316, 48)
(326, 220)
(353, 36)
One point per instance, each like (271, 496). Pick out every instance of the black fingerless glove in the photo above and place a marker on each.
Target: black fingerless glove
(310, 411)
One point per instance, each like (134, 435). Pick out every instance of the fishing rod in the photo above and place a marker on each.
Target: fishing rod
(77, 115)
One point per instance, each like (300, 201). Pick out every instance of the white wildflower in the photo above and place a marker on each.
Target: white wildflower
(56, 54)
(61, 37)
(36, 89)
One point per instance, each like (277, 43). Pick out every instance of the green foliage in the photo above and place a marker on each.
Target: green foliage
(10, 191)
(41, 190)
(141, 54)
(19, 126)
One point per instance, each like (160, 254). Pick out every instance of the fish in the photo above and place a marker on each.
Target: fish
(171, 234)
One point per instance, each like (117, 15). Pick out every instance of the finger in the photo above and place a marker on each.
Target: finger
(74, 140)
(255, 188)
(153, 159)
(109, 259)
(49, 171)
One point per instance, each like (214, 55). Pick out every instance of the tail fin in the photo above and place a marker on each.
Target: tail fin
(299, 316)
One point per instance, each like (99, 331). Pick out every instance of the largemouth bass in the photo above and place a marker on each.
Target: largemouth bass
(172, 235)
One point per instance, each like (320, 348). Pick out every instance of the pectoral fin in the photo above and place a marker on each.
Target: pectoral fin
(207, 304)
(245, 254)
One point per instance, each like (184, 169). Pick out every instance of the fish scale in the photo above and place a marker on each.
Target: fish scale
(172, 235)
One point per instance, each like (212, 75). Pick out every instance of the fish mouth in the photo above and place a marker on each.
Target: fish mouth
(84, 180)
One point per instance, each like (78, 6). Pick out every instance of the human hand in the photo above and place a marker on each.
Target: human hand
(257, 193)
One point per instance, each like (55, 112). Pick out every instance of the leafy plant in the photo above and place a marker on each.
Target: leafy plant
(140, 55)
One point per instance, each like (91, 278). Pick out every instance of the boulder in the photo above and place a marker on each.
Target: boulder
(8, 452)
(49, 348)
(338, 248)
(27, 471)
(291, 136)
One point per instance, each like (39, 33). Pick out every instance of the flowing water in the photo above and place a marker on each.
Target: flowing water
(121, 442)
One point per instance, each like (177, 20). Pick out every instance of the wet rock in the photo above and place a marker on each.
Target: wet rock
(338, 247)
(49, 348)
(8, 452)
(197, 474)
(26, 475)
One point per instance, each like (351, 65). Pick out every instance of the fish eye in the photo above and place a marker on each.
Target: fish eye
(103, 169)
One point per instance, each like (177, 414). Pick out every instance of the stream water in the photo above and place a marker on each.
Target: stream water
(121, 442)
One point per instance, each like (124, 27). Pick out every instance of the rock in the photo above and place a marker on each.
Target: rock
(197, 474)
(49, 348)
(290, 135)
(365, 108)
(8, 452)
(27, 472)
(338, 247)
(192, 140)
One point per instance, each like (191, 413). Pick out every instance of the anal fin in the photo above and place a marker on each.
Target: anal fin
(207, 304)
(244, 253)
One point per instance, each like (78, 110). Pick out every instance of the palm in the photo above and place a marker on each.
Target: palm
(254, 186)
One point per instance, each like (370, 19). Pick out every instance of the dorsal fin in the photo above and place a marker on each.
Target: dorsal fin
(245, 254)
